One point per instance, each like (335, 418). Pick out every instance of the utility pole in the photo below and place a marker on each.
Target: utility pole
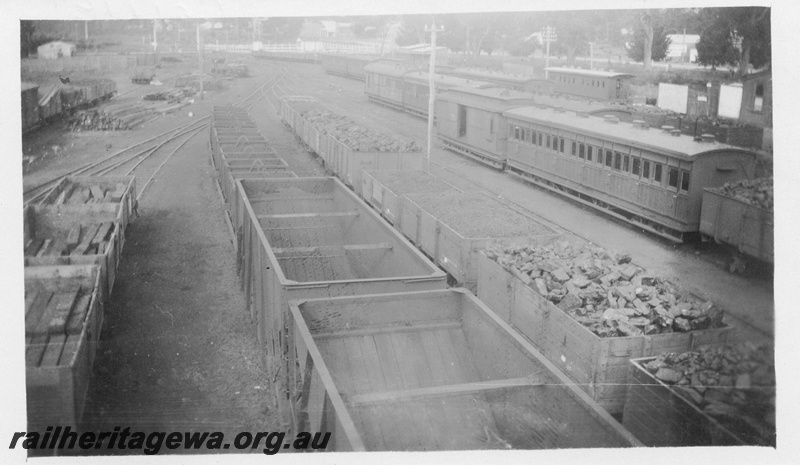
(431, 91)
(200, 58)
(86, 30)
(591, 55)
(685, 47)
(549, 35)
(155, 36)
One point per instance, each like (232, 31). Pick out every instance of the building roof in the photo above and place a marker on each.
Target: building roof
(519, 79)
(445, 80)
(654, 139)
(389, 68)
(57, 43)
(588, 72)
(684, 39)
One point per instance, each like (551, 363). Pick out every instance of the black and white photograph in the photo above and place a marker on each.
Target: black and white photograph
(515, 231)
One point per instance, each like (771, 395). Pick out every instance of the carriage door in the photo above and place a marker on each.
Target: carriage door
(462, 121)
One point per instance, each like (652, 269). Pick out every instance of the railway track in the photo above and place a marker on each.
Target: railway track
(144, 159)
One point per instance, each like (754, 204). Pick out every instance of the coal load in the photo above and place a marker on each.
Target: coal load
(734, 384)
(758, 192)
(604, 291)
(355, 137)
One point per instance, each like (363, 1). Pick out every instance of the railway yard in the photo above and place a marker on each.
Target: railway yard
(279, 255)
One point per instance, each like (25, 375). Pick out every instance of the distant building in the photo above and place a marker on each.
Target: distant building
(683, 47)
(756, 106)
(56, 49)
(326, 30)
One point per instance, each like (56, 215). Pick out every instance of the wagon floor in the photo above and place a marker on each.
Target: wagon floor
(401, 361)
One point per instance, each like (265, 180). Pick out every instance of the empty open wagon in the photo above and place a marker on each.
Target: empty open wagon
(312, 237)
(432, 370)
(63, 318)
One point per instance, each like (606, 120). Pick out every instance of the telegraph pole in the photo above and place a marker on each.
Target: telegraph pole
(155, 36)
(431, 91)
(200, 58)
(549, 35)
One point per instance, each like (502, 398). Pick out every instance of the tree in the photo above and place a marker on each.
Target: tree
(26, 29)
(715, 48)
(752, 26)
(747, 30)
(659, 44)
(413, 30)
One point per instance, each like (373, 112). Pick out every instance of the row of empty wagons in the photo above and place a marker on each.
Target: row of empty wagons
(653, 178)
(40, 106)
(74, 238)
(367, 342)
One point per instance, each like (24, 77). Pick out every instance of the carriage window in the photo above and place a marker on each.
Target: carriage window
(491, 126)
(657, 172)
(625, 163)
(510, 130)
(608, 158)
(540, 138)
(561, 146)
(646, 170)
(548, 141)
(672, 181)
(581, 150)
(617, 160)
(516, 132)
(684, 180)
(574, 150)
(635, 166)
(588, 153)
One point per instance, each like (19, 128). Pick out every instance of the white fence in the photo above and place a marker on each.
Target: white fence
(232, 48)
(319, 47)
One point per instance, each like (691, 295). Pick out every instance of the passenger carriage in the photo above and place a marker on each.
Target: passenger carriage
(384, 82)
(416, 89)
(592, 84)
(471, 123)
(649, 177)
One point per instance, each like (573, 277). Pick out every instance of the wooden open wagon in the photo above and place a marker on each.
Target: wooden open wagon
(92, 238)
(384, 189)
(454, 227)
(661, 417)
(599, 365)
(63, 319)
(93, 196)
(433, 370)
